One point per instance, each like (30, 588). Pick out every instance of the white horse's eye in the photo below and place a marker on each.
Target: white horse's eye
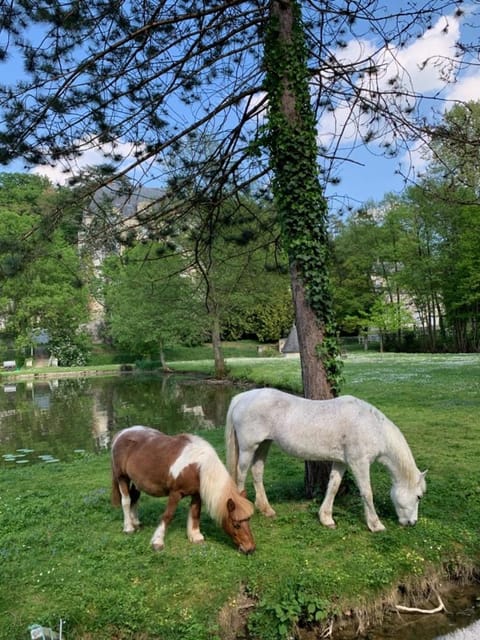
(419, 498)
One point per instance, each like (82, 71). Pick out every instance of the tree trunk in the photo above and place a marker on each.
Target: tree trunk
(301, 205)
(315, 383)
(219, 360)
(310, 334)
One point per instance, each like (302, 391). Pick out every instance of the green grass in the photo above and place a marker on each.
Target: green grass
(63, 554)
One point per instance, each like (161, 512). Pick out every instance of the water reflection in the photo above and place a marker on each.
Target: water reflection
(49, 420)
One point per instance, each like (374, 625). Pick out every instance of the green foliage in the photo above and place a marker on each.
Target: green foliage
(71, 350)
(39, 271)
(298, 605)
(266, 313)
(151, 302)
(421, 247)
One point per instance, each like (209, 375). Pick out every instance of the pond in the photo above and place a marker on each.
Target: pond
(58, 419)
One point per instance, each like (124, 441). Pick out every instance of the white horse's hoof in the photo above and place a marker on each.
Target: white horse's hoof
(158, 546)
(329, 524)
(129, 531)
(377, 528)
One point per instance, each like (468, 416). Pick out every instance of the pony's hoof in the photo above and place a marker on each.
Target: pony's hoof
(129, 531)
(197, 539)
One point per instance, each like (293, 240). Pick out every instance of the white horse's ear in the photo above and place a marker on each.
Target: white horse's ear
(424, 473)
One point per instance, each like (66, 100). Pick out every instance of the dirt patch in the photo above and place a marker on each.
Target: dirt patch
(234, 615)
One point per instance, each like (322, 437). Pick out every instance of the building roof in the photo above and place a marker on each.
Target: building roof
(291, 344)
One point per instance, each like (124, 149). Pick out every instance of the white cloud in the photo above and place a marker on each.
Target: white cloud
(465, 89)
(427, 66)
(61, 172)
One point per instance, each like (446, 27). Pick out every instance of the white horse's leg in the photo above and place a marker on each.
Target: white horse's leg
(326, 508)
(361, 473)
(243, 465)
(261, 500)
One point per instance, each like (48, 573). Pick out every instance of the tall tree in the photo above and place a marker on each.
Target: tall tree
(149, 75)
(301, 206)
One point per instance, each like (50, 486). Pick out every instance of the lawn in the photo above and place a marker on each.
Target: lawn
(63, 554)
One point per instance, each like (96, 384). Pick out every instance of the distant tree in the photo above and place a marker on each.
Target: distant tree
(354, 254)
(389, 317)
(41, 285)
(151, 302)
(235, 255)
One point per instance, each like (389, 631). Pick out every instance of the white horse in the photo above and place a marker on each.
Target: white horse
(346, 431)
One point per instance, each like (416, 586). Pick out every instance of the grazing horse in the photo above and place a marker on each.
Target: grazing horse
(346, 431)
(144, 459)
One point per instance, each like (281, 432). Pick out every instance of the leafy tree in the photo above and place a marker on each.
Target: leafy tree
(236, 257)
(151, 303)
(449, 260)
(354, 255)
(389, 317)
(40, 270)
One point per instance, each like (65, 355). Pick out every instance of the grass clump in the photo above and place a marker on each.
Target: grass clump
(63, 554)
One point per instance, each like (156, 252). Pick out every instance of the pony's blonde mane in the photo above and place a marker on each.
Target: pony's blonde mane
(216, 484)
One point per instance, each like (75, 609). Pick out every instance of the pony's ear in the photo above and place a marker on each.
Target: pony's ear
(243, 493)
(230, 505)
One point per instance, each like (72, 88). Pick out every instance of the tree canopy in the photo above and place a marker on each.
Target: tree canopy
(149, 79)
(420, 248)
(40, 274)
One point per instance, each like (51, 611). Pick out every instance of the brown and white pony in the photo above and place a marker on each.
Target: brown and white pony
(144, 459)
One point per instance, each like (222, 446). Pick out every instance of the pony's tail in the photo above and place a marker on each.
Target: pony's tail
(231, 443)
(116, 498)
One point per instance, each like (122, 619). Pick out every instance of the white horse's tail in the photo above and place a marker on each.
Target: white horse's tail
(231, 442)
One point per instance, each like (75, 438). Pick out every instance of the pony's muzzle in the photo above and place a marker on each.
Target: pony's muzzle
(247, 550)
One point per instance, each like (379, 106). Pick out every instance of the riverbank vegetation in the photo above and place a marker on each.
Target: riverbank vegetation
(64, 555)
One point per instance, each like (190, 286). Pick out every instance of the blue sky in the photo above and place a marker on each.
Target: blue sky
(366, 174)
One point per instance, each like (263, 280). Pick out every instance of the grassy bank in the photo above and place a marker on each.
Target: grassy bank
(63, 555)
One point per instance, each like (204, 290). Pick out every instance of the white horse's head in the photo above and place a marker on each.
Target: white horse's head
(406, 499)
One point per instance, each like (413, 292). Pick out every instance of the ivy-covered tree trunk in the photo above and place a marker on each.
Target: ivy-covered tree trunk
(301, 208)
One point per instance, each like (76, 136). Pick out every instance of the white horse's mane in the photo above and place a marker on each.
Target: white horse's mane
(399, 452)
(216, 484)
